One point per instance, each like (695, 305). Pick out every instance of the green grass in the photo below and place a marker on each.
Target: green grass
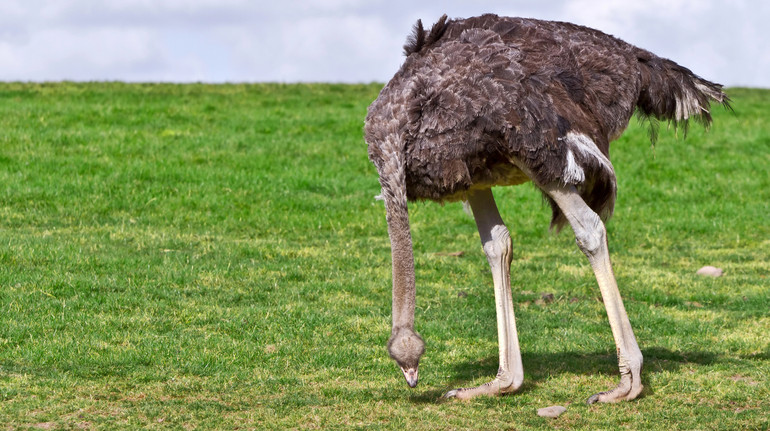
(211, 257)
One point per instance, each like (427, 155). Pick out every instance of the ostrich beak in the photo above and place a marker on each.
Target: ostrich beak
(410, 374)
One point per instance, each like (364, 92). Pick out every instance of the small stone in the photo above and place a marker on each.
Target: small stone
(551, 412)
(710, 271)
(462, 294)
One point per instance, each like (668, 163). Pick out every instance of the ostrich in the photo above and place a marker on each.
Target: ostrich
(496, 101)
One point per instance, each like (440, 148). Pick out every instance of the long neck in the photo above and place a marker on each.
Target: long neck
(393, 181)
(403, 263)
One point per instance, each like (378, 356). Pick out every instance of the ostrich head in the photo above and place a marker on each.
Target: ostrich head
(405, 347)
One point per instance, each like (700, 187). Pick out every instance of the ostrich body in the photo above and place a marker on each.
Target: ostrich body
(493, 101)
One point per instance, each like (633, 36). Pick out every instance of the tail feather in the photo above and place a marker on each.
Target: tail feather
(673, 93)
(420, 39)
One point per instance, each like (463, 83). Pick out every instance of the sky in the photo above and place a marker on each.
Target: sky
(725, 41)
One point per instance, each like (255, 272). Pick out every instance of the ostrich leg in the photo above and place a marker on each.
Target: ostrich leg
(497, 246)
(591, 237)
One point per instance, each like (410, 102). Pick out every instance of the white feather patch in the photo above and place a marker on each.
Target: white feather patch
(587, 147)
(573, 173)
(686, 106)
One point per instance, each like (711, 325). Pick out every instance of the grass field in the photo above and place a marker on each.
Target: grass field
(211, 257)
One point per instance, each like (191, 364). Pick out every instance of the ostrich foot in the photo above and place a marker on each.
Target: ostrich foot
(499, 386)
(629, 388)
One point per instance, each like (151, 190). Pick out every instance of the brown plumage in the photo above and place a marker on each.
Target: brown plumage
(474, 93)
(490, 101)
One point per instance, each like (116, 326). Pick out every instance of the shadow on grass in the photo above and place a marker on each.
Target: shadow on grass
(538, 367)
(759, 356)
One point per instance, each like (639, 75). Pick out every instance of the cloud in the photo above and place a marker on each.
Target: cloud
(311, 48)
(338, 40)
(66, 54)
